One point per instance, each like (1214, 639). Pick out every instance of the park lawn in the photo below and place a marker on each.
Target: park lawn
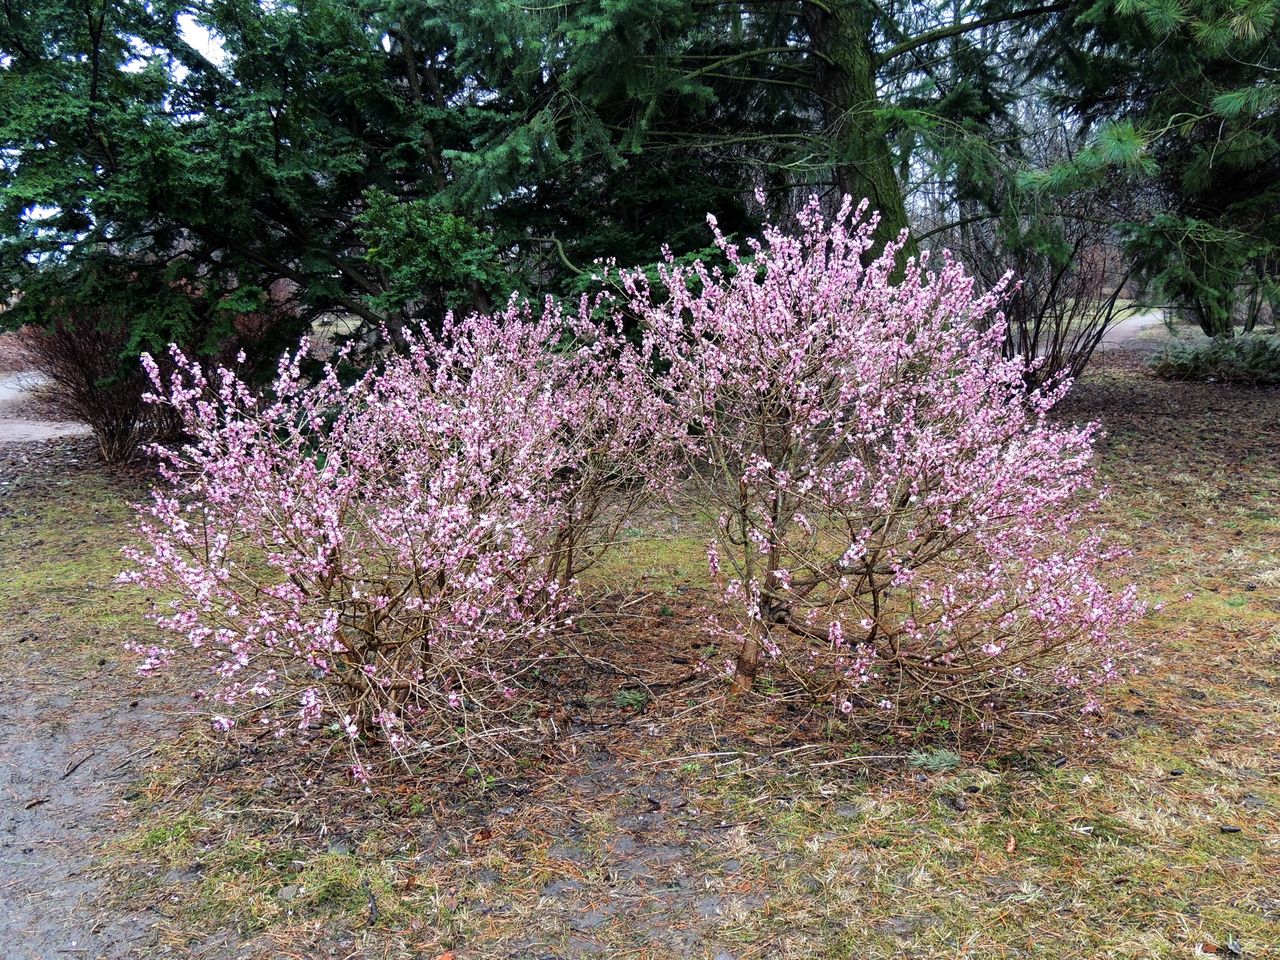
(666, 822)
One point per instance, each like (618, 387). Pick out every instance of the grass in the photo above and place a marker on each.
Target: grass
(679, 830)
(657, 563)
(61, 554)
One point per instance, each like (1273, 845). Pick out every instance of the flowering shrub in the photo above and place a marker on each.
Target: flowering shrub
(394, 556)
(896, 516)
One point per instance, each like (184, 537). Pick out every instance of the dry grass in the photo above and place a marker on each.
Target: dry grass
(665, 825)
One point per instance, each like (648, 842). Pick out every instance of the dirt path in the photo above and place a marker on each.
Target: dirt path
(75, 726)
(1126, 335)
(67, 751)
(17, 423)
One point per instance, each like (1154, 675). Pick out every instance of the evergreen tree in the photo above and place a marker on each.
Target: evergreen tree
(238, 184)
(1185, 92)
(772, 94)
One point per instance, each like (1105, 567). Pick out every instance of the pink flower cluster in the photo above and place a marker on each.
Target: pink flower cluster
(392, 555)
(897, 515)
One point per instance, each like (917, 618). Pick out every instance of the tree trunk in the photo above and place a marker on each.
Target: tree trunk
(748, 663)
(846, 84)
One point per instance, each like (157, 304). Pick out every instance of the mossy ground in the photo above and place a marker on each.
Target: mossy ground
(664, 825)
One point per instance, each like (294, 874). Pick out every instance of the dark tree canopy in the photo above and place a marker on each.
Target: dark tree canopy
(202, 165)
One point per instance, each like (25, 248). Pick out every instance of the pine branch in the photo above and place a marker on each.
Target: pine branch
(956, 29)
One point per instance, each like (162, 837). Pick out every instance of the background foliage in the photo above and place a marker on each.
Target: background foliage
(187, 163)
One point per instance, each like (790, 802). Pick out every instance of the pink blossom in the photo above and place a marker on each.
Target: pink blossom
(406, 545)
(852, 422)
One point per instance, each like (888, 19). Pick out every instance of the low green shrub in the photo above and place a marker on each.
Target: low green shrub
(1249, 358)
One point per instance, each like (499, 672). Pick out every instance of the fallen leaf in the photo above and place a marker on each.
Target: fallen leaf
(1012, 845)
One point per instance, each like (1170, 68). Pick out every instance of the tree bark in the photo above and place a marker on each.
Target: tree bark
(863, 164)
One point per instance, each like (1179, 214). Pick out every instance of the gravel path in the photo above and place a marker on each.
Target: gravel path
(1126, 335)
(67, 750)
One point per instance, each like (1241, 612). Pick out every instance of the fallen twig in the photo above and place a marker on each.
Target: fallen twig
(373, 903)
(72, 767)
